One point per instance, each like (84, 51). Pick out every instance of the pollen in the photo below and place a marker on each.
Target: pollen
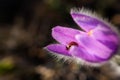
(71, 44)
(90, 32)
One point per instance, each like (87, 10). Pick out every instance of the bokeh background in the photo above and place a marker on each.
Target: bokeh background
(25, 28)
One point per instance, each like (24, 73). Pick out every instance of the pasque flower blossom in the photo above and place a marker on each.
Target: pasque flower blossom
(94, 45)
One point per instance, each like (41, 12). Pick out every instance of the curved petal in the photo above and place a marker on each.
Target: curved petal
(106, 36)
(58, 49)
(94, 47)
(82, 53)
(85, 21)
(101, 33)
(64, 35)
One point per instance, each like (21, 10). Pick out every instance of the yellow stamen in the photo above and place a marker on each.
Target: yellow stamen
(90, 32)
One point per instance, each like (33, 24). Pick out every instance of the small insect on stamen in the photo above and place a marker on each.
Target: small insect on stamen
(71, 44)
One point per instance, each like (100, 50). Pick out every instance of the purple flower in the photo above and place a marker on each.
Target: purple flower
(96, 44)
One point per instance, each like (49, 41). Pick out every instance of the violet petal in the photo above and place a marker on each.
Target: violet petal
(106, 37)
(103, 34)
(81, 53)
(85, 21)
(58, 49)
(94, 47)
(64, 35)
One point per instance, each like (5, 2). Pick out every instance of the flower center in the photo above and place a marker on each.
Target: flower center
(71, 44)
(90, 32)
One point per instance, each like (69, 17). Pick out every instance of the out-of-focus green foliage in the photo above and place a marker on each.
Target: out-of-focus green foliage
(6, 65)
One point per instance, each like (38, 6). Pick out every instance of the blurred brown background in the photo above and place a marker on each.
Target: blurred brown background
(25, 28)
